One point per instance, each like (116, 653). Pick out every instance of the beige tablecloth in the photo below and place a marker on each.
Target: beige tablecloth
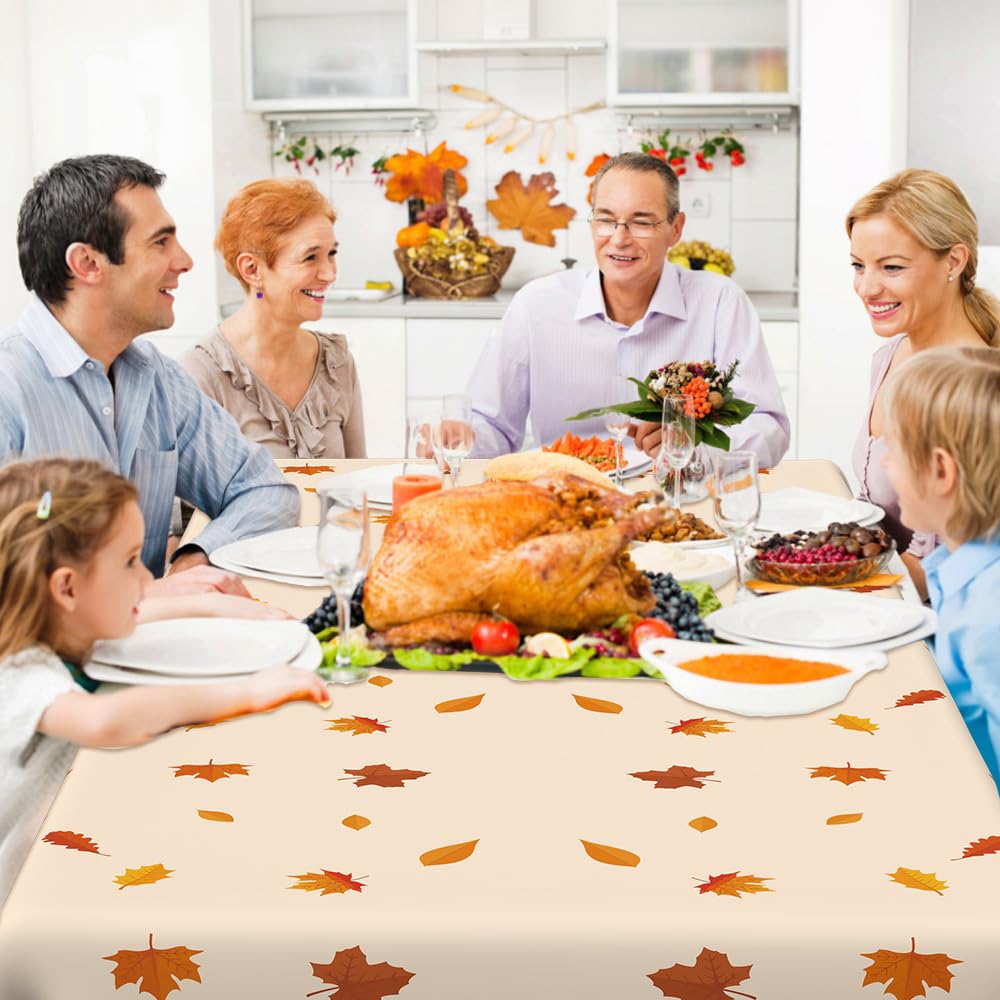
(573, 838)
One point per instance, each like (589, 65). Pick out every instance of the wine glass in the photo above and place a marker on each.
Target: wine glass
(342, 549)
(677, 444)
(617, 425)
(420, 443)
(737, 502)
(453, 435)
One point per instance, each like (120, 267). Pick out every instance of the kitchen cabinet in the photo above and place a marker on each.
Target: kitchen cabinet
(689, 52)
(782, 340)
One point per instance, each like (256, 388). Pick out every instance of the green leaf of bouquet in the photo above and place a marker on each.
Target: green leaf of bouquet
(610, 666)
(714, 437)
(637, 409)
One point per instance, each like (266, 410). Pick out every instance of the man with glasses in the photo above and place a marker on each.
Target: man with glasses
(569, 341)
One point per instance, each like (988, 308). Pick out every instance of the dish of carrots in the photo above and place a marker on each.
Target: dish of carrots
(599, 452)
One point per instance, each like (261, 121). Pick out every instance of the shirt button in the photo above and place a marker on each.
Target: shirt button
(90, 365)
(106, 411)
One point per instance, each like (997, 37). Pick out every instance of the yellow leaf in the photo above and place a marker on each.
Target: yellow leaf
(611, 855)
(450, 854)
(460, 704)
(597, 704)
(144, 875)
(703, 823)
(856, 724)
(356, 822)
(219, 817)
(842, 818)
(914, 879)
(327, 882)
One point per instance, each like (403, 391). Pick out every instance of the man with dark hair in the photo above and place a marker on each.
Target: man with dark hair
(101, 257)
(569, 341)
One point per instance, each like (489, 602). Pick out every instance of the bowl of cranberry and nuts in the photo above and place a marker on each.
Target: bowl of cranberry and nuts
(840, 553)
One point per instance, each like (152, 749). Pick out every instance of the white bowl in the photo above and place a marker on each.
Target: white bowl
(758, 699)
(717, 564)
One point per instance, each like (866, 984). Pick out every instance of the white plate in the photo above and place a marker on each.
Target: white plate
(289, 552)
(817, 617)
(295, 581)
(807, 510)
(757, 699)
(308, 659)
(360, 294)
(716, 567)
(191, 646)
(376, 482)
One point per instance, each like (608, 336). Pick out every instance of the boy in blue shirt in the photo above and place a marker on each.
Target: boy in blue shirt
(943, 437)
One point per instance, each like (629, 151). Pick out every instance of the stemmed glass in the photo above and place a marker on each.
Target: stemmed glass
(677, 444)
(617, 425)
(342, 549)
(420, 444)
(737, 502)
(453, 435)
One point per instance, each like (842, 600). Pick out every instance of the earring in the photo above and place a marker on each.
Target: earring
(951, 277)
(260, 291)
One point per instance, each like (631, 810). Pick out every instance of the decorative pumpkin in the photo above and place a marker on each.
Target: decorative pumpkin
(413, 236)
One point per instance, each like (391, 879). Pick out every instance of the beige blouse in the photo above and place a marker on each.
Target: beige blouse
(327, 423)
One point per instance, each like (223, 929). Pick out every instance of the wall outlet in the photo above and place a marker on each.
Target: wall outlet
(700, 207)
(509, 20)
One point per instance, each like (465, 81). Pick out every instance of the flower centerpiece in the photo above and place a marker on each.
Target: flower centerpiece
(709, 394)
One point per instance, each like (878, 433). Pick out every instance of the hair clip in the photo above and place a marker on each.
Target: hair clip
(44, 506)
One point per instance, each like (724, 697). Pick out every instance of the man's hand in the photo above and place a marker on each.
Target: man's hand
(187, 560)
(199, 579)
(647, 437)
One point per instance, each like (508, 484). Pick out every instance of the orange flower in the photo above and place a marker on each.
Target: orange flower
(417, 176)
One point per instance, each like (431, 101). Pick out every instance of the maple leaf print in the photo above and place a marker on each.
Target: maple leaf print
(352, 978)
(849, 775)
(733, 884)
(356, 822)
(308, 470)
(908, 972)
(72, 841)
(842, 819)
(918, 698)
(328, 882)
(449, 854)
(675, 776)
(710, 978)
(608, 855)
(358, 725)
(914, 879)
(460, 704)
(214, 815)
(382, 775)
(528, 207)
(853, 722)
(700, 727)
(380, 680)
(703, 824)
(597, 704)
(210, 771)
(987, 845)
(143, 875)
(156, 970)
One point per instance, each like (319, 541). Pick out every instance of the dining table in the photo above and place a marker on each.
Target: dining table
(457, 835)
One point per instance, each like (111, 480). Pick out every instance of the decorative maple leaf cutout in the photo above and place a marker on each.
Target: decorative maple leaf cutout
(218, 817)
(597, 704)
(733, 884)
(327, 882)
(450, 854)
(908, 972)
(308, 470)
(710, 978)
(417, 176)
(350, 975)
(918, 698)
(73, 841)
(675, 776)
(156, 970)
(842, 819)
(703, 824)
(143, 875)
(849, 775)
(356, 822)
(460, 704)
(358, 725)
(914, 879)
(700, 727)
(210, 771)
(608, 855)
(856, 724)
(382, 775)
(380, 680)
(987, 845)
(528, 207)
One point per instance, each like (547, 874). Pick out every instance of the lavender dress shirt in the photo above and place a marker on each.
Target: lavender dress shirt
(556, 352)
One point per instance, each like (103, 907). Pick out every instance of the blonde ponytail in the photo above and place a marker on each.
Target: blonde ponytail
(983, 311)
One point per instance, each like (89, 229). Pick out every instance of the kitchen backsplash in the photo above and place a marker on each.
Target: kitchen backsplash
(749, 210)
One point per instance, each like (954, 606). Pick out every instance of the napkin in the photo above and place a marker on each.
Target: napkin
(878, 581)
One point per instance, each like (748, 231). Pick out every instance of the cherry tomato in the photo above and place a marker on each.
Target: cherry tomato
(648, 628)
(495, 638)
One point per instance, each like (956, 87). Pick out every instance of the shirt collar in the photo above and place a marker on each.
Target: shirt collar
(61, 353)
(953, 570)
(667, 299)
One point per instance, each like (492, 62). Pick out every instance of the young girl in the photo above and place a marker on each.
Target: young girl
(70, 574)
(943, 458)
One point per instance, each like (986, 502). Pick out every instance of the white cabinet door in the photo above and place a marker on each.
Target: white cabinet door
(782, 340)
(440, 355)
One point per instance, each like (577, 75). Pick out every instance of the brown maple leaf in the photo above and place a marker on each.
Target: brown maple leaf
(210, 771)
(156, 970)
(733, 884)
(710, 978)
(358, 725)
(382, 775)
(987, 845)
(350, 975)
(328, 882)
(528, 207)
(849, 775)
(700, 727)
(908, 972)
(675, 776)
(918, 698)
(143, 875)
(73, 841)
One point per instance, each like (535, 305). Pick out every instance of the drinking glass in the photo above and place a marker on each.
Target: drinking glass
(342, 548)
(617, 425)
(677, 444)
(420, 444)
(453, 435)
(737, 503)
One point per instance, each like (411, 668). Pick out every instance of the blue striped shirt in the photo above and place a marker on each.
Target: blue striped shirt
(153, 425)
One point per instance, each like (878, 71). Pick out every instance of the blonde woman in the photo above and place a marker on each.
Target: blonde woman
(914, 241)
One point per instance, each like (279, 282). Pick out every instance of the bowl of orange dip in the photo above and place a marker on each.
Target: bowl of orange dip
(759, 679)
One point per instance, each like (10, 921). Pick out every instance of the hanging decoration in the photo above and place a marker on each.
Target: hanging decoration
(514, 128)
(297, 152)
(529, 207)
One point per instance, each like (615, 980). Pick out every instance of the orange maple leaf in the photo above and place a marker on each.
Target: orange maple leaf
(849, 775)
(856, 724)
(73, 841)
(733, 884)
(382, 775)
(210, 771)
(308, 470)
(675, 776)
(528, 207)
(986, 845)
(156, 970)
(710, 978)
(907, 972)
(143, 875)
(918, 698)
(328, 882)
(352, 978)
(358, 725)
(700, 727)
(449, 854)
(417, 176)
(380, 680)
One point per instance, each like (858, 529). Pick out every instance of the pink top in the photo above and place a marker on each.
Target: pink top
(867, 461)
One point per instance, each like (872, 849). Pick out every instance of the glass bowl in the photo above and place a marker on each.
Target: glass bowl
(820, 574)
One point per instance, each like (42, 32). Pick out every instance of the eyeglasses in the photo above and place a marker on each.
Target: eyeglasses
(639, 229)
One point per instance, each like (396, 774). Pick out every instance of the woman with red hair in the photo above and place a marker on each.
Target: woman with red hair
(291, 389)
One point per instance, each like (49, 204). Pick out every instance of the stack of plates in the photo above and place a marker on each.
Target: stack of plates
(374, 482)
(819, 618)
(789, 510)
(287, 556)
(202, 650)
